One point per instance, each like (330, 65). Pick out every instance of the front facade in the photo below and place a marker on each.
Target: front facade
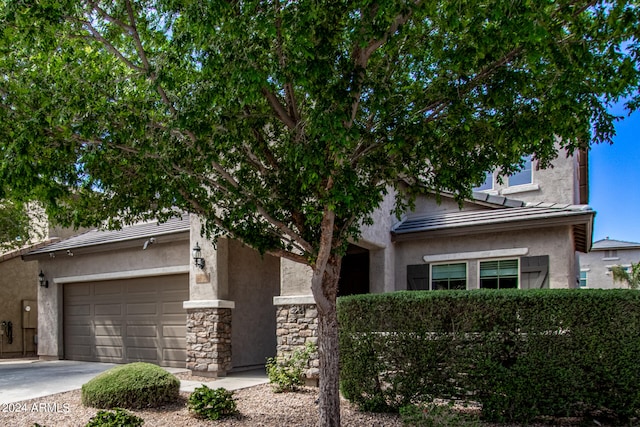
(595, 267)
(138, 294)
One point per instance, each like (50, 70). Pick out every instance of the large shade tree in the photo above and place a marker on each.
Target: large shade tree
(283, 124)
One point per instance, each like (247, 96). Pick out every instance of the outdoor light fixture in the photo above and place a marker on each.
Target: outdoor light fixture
(197, 256)
(44, 283)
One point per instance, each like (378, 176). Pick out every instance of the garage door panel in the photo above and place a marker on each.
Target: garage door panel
(77, 291)
(108, 310)
(78, 310)
(174, 355)
(142, 354)
(79, 331)
(107, 288)
(108, 329)
(82, 351)
(172, 308)
(142, 308)
(142, 331)
(127, 320)
(111, 351)
(174, 331)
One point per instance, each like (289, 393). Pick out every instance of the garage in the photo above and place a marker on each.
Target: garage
(123, 321)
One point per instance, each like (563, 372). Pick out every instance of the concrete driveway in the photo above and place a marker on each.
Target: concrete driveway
(22, 380)
(29, 379)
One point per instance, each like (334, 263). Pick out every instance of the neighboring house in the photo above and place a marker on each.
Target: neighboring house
(595, 267)
(18, 294)
(122, 296)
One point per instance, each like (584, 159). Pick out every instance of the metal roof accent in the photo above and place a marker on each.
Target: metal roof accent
(530, 216)
(605, 244)
(102, 237)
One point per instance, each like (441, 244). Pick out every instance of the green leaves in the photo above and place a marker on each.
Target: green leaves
(257, 115)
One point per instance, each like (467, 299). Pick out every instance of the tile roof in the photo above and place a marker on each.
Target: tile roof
(607, 243)
(102, 237)
(526, 216)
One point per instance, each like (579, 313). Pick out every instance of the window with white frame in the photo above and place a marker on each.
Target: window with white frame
(487, 184)
(499, 274)
(449, 276)
(524, 175)
(584, 278)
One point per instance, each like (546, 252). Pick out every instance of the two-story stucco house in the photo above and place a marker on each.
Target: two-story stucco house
(595, 267)
(140, 293)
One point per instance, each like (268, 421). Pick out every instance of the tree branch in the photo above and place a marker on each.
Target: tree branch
(277, 107)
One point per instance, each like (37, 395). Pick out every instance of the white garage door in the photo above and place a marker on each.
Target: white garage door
(123, 321)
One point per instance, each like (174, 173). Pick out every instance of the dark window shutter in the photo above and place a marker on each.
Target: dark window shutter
(534, 272)
(418, 277)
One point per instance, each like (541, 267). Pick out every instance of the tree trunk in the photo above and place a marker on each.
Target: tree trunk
(325, 290)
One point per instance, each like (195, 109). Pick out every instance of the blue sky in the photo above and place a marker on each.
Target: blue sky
(614, 181)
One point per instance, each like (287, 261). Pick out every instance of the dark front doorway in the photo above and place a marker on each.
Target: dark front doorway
(354, 275)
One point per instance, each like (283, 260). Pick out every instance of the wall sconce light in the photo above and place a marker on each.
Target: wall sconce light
(197, 256)
(44, 283)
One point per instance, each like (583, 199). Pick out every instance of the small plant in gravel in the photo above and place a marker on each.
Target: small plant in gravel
(212, 404)
(287, 374)
(117, 418)
(434, 415)
(136, 385)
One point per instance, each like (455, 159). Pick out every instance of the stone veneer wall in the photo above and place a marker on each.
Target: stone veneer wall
(297, 325)
(209, 341)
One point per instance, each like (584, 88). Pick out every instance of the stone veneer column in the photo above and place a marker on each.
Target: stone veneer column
(209, 337)
(297, 325)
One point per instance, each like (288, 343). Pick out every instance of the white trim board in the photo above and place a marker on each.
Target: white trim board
(118, 275)
(460, 256)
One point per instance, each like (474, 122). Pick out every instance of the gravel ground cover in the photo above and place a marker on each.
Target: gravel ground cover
(258, 406)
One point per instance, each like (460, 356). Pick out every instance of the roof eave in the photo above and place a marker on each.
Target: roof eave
(578, 218)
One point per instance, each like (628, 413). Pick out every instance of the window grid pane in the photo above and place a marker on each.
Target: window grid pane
(449, 276)
(524, 176)
(499, 274)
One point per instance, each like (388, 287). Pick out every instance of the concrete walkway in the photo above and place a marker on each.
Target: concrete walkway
(23, 379)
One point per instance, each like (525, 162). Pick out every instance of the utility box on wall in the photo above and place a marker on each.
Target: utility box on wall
(29, 314)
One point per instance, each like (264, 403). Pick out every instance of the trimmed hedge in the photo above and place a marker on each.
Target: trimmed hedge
(132, 386)
(521, 354)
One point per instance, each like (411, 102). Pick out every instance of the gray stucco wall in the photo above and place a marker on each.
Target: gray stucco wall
(557, 242)
(597, 267)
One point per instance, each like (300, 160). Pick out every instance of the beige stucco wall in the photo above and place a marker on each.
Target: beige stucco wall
(18, 282)
(253, 282)
(596, 266)
(165, 255)
(557, 242)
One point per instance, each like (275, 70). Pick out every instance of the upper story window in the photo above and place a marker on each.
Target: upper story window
(487, 184)
(523, 176)
(611, 254)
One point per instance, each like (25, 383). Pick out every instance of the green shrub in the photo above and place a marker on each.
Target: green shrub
(287, 374)
(212, 404)
(522, 354)
(434, 415)
(136, 385)
(117, 418)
